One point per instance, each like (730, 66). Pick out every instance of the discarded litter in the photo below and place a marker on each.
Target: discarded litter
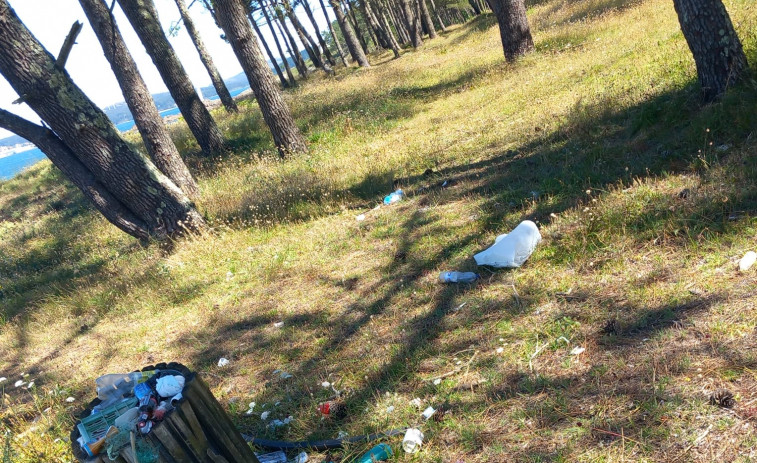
(412, 441)
(169, 386)
(278, 324)
(512, 249)
(500, 350)
(380, 452)
(264, 415)
(285, 375)
(390, 409)
(428, 413)
(3, 379)
(302, 457)
(70, 399)
(326, 384)
(458, 277)
(360, 218)
(273, 457)
(222, 362)
(19, 383)
(437, 381)
(333, 408)
(251, 409)
(279, 423)
(577, 350)
(394, 197)
(747, 261)
(416, 402)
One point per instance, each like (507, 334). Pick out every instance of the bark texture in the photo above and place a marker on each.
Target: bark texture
(294, 49)
(353, 44)
(274, 61)
(144, 19)
(717, 50)
(158, 142)
(413, 24)
(290, 76)
(207, 61)
(383, 28)
(333, 33)
(428, 23)
(286, 134)
(513, 27)
(86, 144)
(321, 41)
(438, 16)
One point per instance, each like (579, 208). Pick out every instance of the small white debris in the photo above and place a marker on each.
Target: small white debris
(437, 381)
(342, 435)
(302, 457)
(459, 362)
(278, 324)
(3, 379)
(378, 206)
(30, 385)
(390, 409)
(747, 261)
(285, 375)
(264, 415)
(577, 350)
(326, 384)
(222, 362)
(428, 413)
(360, 218)
(252, 407)
(229, 276)
(500, 350)
(19, 383)
(457, 309)
(70, 399)
(501, 339)
(416, 402)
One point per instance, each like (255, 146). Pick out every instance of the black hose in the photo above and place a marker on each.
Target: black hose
(320, 445)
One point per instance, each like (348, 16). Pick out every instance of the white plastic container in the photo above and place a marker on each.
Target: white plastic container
(511, 249)
(412, 441)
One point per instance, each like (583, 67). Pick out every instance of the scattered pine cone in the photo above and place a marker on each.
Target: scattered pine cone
(441, 412)
(722, 398)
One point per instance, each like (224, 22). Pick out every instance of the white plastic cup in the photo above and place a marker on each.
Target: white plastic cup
(412, 441)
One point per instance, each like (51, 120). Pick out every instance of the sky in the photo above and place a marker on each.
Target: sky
(51, 20)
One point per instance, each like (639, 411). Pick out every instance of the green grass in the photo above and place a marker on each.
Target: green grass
(594, 136)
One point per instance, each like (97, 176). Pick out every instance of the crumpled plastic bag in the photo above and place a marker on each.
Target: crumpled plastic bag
(511, 249)
(169, 386)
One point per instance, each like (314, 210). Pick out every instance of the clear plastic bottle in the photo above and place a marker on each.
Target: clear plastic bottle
(118, 384)
(394, 197)
(458, 277)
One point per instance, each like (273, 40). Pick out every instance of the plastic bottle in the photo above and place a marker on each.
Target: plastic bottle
(458, 277)
(394, 197)
(380, 452)
(412, 441)
(118, 384)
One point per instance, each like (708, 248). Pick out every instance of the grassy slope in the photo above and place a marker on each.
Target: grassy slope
(593, 136)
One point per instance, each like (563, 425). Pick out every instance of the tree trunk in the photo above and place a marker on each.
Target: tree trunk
(318, 35)
(513, 27)
(158, 143)
(428, 23)
(86, 144)
(278, 45)
(294, 49)
(333, 33)
(383, 28)
(353, 21)
(413, 24)
(474, 5)
(207, 61)
(395, 13)
(306, 39)
(273, 59)
(369, 25)
(438, 17)
(286, 134)
(349, 35)
(714, 43)
(381, 40)
(144, 19)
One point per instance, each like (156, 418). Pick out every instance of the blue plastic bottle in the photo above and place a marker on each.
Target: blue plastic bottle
(380, 452)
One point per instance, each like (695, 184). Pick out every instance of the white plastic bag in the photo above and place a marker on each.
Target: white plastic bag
(511, 249)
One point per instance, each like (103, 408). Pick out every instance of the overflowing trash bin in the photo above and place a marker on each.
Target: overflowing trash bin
(162, 413)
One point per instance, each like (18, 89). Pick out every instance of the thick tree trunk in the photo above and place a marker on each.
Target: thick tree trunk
(413, 24)
(65, 160)
(286, 134)
(278, 45)
(333, 33)
(356, 51)
(318, 35)
(207, 61)
(273, 59)
(156, 206)
(158, 142)
(713, 41)
(428, 23)
(383, 28)
(144, 19)
(294, 49)
(513, 27)
(355, 26)
(438, 17)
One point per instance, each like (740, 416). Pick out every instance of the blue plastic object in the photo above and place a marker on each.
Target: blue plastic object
(380, 452)
(394, 197)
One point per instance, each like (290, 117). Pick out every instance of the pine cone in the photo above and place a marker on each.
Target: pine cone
(441, 412)
(722, 398)
(338, 409)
